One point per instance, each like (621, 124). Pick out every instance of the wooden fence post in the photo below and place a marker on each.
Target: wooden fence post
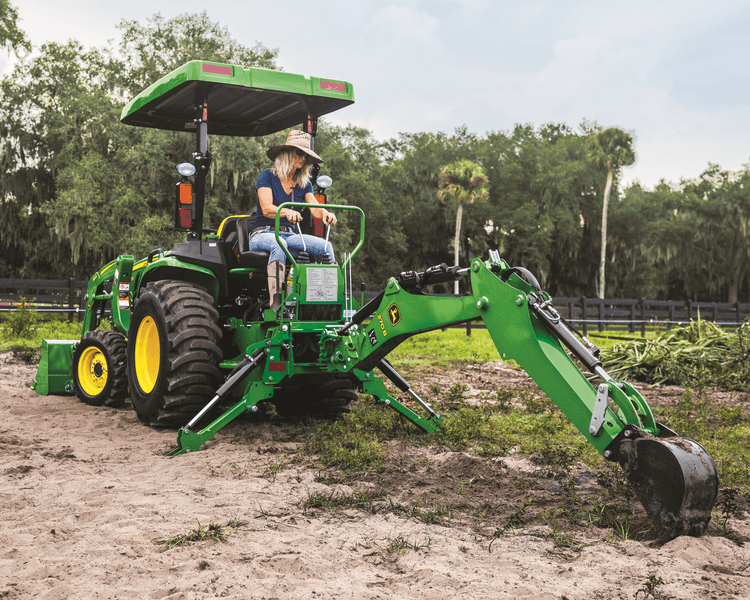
(643, 317)
(71, 296)
(583, 316)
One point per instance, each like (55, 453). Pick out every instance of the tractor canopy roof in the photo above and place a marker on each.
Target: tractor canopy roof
(241, 102)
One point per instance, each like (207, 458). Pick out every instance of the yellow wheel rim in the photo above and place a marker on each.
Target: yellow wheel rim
(92, 371)
(147, 354)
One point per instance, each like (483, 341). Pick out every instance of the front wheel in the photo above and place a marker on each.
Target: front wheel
(173, 352)
(99, 376)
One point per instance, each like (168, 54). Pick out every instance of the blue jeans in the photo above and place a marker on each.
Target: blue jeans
(266, 240)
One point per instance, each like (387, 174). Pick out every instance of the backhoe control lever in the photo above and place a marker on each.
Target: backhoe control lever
(441, 273)
(403, 385)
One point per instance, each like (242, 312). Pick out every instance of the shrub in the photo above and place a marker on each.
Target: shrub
(22, 322)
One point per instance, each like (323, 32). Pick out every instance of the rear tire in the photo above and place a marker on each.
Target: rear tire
(330, 397)
(173, 352)
(99, 371)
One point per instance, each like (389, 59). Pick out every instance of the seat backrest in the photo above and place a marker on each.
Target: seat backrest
(248, 258)
(243, 226)
(229, 226)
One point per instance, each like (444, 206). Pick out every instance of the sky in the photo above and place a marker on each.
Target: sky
(673, 73)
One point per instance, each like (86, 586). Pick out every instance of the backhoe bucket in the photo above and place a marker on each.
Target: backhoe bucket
(675, 480)
(54, 375)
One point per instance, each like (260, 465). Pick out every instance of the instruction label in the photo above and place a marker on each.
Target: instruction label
(322, 285)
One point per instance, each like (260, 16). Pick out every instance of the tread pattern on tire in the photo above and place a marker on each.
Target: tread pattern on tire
(329, 397)
(115, 346)
(193, 353)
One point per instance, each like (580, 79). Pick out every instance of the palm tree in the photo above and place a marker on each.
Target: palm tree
(612, 149)
(463, 181)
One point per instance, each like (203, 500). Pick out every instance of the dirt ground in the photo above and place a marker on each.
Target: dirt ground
(85, 494)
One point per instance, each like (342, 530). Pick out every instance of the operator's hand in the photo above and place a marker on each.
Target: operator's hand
(329, 218)
(293, 216)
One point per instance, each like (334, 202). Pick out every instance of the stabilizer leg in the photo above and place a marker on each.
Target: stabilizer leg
(191, 441)
(375, 386)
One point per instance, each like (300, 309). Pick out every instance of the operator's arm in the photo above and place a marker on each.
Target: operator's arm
(319, 212)
(269, 209)
(265, 197)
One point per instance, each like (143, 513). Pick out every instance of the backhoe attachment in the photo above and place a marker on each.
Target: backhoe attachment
(675, 478)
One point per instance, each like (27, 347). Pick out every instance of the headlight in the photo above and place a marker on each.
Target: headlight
(186, 169)
(324, 182)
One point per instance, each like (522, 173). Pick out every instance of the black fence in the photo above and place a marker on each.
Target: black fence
(587, 314)
(594, 314)
(46, 296)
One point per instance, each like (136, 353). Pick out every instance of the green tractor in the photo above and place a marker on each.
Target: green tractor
(194, 343)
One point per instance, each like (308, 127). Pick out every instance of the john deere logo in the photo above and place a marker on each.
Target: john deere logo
(394, 315)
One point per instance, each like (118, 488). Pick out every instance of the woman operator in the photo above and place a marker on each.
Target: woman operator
(288, 181)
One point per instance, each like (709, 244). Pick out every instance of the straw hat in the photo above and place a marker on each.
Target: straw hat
(299, 140)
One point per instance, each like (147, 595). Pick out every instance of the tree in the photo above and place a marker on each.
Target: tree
(12, 38)
(611, 149)
(152, 50)
(463, 181)
(714, 250)
(77, 187)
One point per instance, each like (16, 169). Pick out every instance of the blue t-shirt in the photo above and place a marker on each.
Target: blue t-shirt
(268, 180)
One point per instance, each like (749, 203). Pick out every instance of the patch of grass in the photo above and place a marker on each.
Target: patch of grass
(28, 343)
(435, 514)
(377, 502)
(400, 545)
(443, 348)
(201, 534)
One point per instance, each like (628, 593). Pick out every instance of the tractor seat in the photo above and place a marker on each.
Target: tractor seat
(248, 258)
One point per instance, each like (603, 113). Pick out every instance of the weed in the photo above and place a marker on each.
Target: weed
(400, 545)
(535, 403)
(727, 507)
(504, 399)
(27, 355)
(456, 393)
(201, 534)
(517, 518)
(649, 590)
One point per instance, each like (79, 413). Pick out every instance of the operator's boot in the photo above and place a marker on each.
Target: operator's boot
(275, 272)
